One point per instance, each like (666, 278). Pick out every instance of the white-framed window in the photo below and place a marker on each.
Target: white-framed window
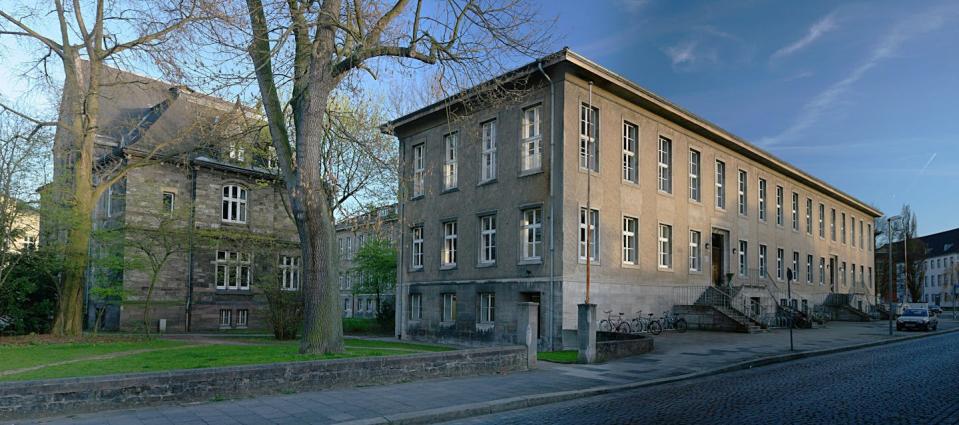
(822, 221)
(762, 260)
(449, 244)
(630, 145)
(449, 307)
(720, 184)
(852, 230)
(743, 258)
(780, 264)
(419, 169)
(290, 273)
(842, 273)
(532, 233)
(665, 246)
(450, 172)
(862, 275)
(809, 261)
(226, 318)
(487, 307)
(695, 253)
(872, 239)
(861, 243)
(531, 157)
(779, 205)
(487, 239)
(417, 249)
(694, 173)
(593, 234)
(233, 270)
(416, 307)
(234, 204)
(169, 202)
(743, 189)
(762, 199)
(588, 135)
(665, 159)
(795, 211)
(796, 265)
(842, 228)
(630, 225)
(822, 271)
(852, 274)
(242, 317)
(489, 151)
(809, 216)
(832, 224)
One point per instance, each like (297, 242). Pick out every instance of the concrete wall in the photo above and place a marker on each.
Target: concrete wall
(75, 395)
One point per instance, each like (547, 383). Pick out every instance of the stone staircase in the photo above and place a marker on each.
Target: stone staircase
(723, 303)
(746, 325)
(842, 309)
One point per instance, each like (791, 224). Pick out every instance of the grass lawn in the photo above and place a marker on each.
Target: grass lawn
(171, 355)
(566, 356)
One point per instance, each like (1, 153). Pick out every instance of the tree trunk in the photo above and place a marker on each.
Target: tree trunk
(149, 300)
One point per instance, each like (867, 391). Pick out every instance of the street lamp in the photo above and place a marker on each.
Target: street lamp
(889, 248)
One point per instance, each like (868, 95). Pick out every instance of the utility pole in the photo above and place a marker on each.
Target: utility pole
(889, 248)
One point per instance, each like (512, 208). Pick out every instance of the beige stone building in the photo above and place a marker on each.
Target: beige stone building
(494, 212)
(351, 234)
(24, 221)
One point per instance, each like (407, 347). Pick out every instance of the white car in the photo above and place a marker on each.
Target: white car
(917, 318)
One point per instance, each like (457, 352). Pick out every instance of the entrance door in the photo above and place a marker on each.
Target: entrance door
(718, 258)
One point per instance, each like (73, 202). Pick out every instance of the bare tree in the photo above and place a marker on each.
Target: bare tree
(86, 36)
(303, 53)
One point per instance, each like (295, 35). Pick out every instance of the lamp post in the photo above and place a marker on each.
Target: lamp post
(889, 248)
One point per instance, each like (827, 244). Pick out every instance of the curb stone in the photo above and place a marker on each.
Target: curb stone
(463, 411)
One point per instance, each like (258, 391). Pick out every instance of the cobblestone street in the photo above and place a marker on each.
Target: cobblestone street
(912, 382)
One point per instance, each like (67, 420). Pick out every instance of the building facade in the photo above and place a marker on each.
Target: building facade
(23, 220)
(195, 227)
(941, 281)
(351, 234)
(505, 204)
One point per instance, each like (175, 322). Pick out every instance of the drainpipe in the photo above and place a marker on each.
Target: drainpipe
(552, 209)
(189, 294)
(398, 300)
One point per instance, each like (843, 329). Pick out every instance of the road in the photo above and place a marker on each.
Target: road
(913, 382)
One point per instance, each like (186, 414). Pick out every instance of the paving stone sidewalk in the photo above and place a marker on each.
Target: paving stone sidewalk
(675, 354)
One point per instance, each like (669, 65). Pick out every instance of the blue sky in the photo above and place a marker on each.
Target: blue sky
(862, 95)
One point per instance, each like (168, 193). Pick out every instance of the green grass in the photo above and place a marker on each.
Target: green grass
(178, 355)
(363, 326)
(565, 356)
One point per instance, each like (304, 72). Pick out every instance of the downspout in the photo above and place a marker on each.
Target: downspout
(552, 210)
(399, 299)
(189, 294)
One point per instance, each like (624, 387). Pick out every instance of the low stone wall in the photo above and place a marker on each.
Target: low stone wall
(705, 318)
(614, 345)
(77, 395)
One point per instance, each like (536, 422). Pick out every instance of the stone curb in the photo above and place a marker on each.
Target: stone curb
(463, 411)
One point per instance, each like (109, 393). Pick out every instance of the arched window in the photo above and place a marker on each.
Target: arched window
(234, 204)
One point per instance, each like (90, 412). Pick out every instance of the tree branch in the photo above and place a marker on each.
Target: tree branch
(27, 31)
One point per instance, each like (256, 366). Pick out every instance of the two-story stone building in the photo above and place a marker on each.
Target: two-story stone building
(198, 192)
(351, 234)
(498, 202)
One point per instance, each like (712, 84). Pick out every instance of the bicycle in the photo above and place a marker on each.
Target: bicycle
(615, 324)
(667, 322)
(641, 324)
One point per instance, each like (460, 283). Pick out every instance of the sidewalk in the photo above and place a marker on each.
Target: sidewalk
(674, 354)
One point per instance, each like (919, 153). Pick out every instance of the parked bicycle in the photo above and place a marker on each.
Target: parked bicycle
(668, 322)
(640, 324)
(615, 324)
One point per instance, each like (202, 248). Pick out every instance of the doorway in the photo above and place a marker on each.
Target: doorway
(718, 256)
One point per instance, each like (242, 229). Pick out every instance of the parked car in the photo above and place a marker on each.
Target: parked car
(934, 308)
(917, 318)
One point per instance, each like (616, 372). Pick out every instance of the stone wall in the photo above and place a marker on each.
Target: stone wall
(76, 395)
(706, 318)
(614, 345)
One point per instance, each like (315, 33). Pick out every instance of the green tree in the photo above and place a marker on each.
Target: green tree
(376, 264)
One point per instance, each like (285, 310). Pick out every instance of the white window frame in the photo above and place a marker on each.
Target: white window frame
(630, 150)
(842, 228)
(743, 258)
(234, 205)
(594, 236)
(832, 224)
(822, 271)
(780, 264)
(419, 170)
(417, 247)
(226, 318)
(449, 308)
(809, 268)
(762, 199)
(695, 173)
(487, 307)
(530, 152)
(488, 239)
(242, 318)
(809, 216)
(450, 236)
(233, 266)
(743, 188)
(589, 138)
(695, 252)
(489, 151)
(450, 164)
(630, 228)
(720, 184)
(532, 234)
(796, 265)
(290, 272)
(780, 198)
(415, 307)
(665, 164)
(665, 246)
(822, 221)
(169, 207)
(763, 254)
(795, 211)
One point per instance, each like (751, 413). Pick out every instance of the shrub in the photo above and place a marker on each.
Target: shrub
(28, 299)
(285, 313)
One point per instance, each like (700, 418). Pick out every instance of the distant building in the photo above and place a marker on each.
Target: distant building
(941, 280)
(494, 210)
(25, 225)
(351, 234)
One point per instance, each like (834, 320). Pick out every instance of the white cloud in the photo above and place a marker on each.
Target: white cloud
(682, 53)
(817, 30)
(634, 6)
(886, 48)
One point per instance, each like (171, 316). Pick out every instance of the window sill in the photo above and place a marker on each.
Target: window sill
(695, 202)
(220, 291)
(530, 262)
(486, 182)
(665, 193)
(484, 326)
(631, 183)
(448, 267)
(531, 172)
(592, 263)
(664, 269)
(448, 324)
(485, 265)
(630, 266)
(594, 173)
(450, 190)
